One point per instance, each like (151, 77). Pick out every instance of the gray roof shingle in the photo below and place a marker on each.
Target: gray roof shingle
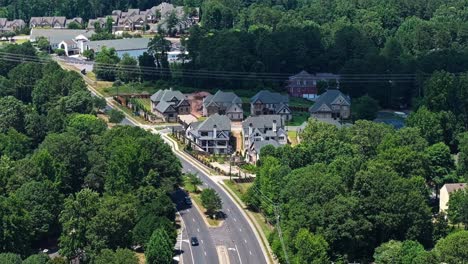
(268, 97)
(163, 106)
(222, 122)
(120, 44)
(167, 95)
(223, 98)
(55, 36)
(258, 145)
(327, 98)
(262, 121)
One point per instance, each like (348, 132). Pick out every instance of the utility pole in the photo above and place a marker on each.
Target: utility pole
(280, 233)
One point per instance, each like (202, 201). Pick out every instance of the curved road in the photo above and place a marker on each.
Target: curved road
(235, 233)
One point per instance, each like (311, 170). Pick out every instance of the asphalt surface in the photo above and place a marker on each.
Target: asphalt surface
(235, 233)
(205, 252)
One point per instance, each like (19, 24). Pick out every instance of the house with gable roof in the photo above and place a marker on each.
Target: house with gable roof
(446, 190)
(305, 85)
(332, 104)
(269, 103)
(223, 103)
(211, 135)
(169, 104)
(260, 131)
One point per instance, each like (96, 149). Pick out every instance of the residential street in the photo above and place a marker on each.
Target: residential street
(235, 233)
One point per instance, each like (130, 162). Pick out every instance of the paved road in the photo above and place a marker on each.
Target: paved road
(235, 233)
(205, 252)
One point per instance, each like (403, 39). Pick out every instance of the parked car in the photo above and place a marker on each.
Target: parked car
(194, 241)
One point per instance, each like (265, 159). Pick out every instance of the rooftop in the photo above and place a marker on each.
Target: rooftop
(327, 98)
(120, 44)
(222, 122)
(268, 97)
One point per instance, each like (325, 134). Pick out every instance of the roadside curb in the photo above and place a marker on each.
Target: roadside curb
(200, 211)
(256, 228)
(266, 250)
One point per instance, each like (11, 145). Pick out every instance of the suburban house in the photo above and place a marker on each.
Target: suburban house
(332, 104)
(77, 20)
(11, 26)
(57, 37)
(260, 131)
(132, 22)
(269, 103)
(223, 103)
(212, 135)
(445, 191)
(47, 22)
(304, 84)
(168, 104)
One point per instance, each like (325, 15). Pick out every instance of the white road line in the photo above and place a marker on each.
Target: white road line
(245, 241)
(240, 230)
(201, 241)
(250, 253)
(240, 260)
(193, 219)
(204, 252)
(229, 210)
(198, 230)
(235, 220)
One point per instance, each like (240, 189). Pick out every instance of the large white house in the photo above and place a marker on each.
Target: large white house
(212, 135)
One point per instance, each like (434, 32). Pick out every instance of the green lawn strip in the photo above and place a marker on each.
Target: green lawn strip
(196, 199)
(298, 118)
(292, 135)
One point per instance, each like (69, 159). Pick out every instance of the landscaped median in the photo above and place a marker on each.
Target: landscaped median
(194, 194)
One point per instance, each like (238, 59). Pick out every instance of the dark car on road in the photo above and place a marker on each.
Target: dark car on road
(188, 201)
(194, 241)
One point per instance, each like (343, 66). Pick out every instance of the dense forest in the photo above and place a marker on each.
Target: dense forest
(66, 177)
(342, 193)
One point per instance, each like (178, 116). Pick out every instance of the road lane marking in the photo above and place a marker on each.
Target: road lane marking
(250, 253)
(240, 230)
(204, 252)
(235, 220)
(245, 241)
(198, 230)
(193, 219)
(201, 241)
(240, 260)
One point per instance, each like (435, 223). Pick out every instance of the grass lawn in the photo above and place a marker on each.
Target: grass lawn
(298, 118)
(145, 102)
(238, 188)
(292, 135)
(299, 102)
(187, 185)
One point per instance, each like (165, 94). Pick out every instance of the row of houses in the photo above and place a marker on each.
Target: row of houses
(269, 114)
(59, 22)
(11, 25)
(136, 19)
(331, 104)
(132, 19)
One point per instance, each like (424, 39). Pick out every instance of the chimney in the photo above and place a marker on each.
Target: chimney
(250, 129)
(274, 126)
(215, 131)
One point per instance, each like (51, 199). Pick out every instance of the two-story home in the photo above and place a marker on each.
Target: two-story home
(332, 104)
(212, 135)
(52, 22)
(269, 103)
(10, 26)
(268, 129)
(305, 85)
(223, 103)
(169, 104)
